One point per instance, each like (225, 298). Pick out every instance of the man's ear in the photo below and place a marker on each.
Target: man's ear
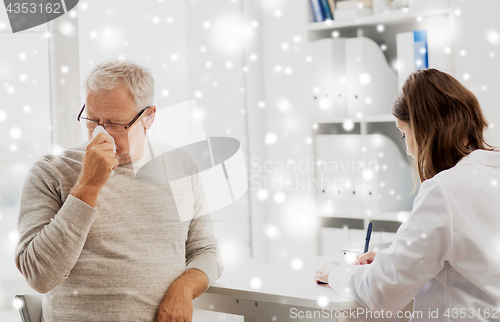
(150, 117)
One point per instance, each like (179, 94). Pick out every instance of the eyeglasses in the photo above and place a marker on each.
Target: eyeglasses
(115, 128)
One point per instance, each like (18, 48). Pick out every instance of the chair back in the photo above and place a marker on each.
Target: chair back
(31, 308)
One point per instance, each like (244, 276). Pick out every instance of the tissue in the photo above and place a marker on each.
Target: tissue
(100, 129)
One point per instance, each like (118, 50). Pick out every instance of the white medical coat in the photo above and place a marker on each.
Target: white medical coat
(446, 255)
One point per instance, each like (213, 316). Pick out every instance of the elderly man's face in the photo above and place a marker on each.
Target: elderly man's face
(118, 106)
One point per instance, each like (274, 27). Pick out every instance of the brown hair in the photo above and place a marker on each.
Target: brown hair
(442, 114)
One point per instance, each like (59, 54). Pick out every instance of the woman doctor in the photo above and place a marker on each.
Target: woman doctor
(446, 255)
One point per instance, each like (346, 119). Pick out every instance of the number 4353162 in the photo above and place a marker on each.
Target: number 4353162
(27, 7)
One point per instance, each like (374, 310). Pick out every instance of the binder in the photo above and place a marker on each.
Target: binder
(394, 172)
(327, 78)
(317, 10)
(354, 4)
(326, 10)
(428, 4)
(338, 186)
(332, 7)
(370, 145)
(353, 13)
(371, 83)
(406, 56)
(420, 48)
(387, 189)
(411, 46)
(324, 203)
(380, 154)
(439, 43)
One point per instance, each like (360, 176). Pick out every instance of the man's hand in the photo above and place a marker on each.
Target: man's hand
(321, 274)
(177, 306)
(97, 163)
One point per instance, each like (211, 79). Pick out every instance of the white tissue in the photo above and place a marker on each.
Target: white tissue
(100, 129)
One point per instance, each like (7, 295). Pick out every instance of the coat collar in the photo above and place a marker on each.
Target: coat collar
(491, 158)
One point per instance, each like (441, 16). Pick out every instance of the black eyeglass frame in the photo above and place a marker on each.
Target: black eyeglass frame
(126, 126)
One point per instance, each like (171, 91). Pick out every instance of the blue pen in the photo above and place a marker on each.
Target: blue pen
(368, 236)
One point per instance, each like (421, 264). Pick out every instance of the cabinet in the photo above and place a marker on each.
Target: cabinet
(362, 168)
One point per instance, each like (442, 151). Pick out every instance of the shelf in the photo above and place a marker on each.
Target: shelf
(396, 216)
(383, 222)
(384, 118)
(392, 17)
(399, 216)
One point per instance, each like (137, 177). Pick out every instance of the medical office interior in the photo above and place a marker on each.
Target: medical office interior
(308, 98)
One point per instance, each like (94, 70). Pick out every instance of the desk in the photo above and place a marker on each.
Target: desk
(282, 290)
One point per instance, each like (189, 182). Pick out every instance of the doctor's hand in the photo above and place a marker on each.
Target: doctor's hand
(321, 274)
(177, 306)
(366, 258)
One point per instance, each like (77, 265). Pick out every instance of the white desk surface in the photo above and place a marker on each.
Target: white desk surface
(282, 284)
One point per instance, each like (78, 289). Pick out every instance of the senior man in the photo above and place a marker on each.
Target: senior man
(110, 247)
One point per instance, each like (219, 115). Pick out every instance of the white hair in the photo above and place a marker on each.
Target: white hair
(111, 74)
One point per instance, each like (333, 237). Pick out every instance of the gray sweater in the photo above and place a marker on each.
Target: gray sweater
(114, 262)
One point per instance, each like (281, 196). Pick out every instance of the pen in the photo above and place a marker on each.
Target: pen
(368, 236)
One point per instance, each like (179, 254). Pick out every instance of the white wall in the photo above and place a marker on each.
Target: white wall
(216, 36)
(154, 35)
(25, 131)
(24, 125)
(477, 56)
(283, 44)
